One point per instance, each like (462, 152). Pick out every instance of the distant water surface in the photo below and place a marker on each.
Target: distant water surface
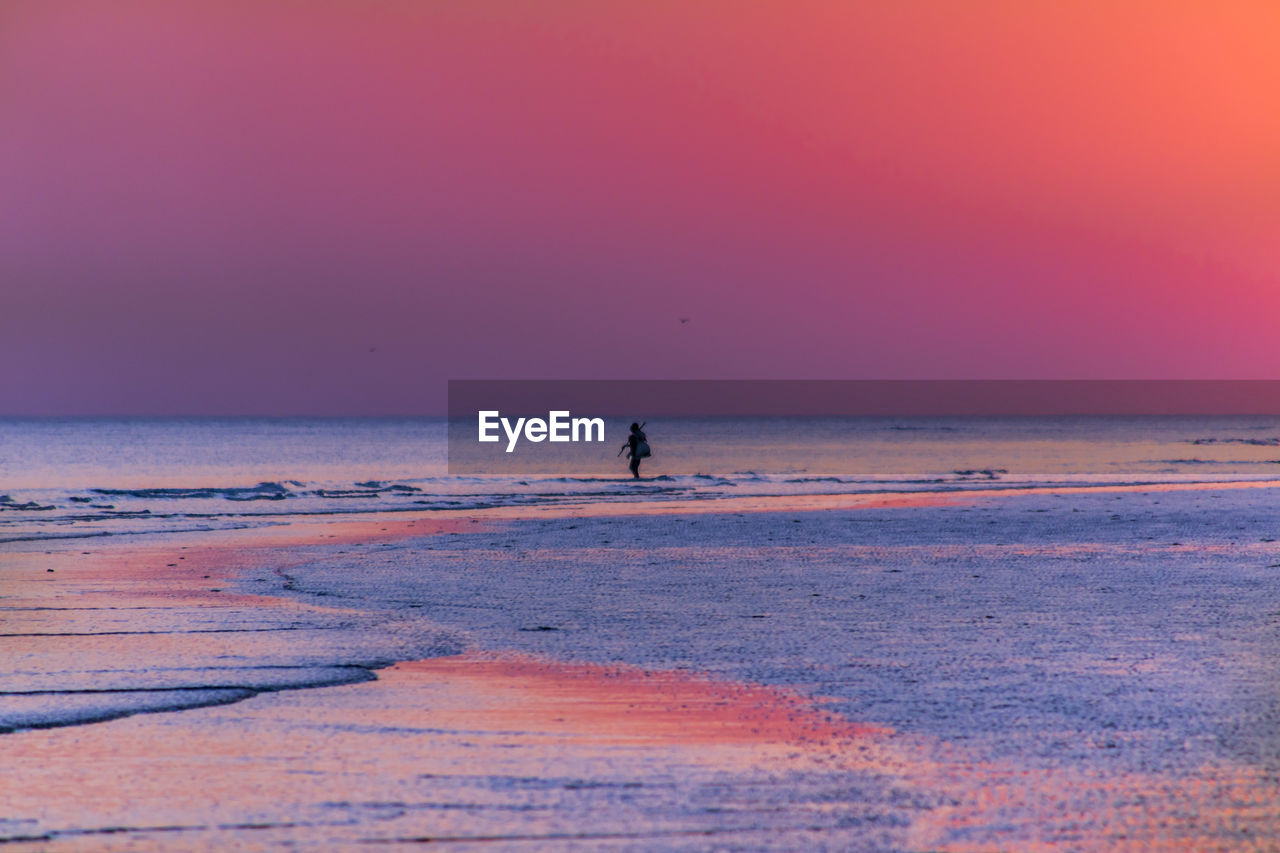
(100, 476)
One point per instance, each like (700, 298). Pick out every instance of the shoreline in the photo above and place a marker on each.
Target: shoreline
(356, 523)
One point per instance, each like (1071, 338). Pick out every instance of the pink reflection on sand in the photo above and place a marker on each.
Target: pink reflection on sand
(626, 704)
(431, 728)
(425, 730)
(1224, 807)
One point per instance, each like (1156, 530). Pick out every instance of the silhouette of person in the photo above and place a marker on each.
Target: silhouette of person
(637, 447)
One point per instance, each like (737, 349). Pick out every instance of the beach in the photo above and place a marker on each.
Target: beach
(1040, 668)
(692, 426)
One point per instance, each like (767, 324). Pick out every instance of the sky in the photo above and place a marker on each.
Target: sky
(287, 207)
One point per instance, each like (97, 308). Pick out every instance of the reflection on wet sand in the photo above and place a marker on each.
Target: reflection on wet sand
(1210, 808)
(506, 749)
(456, 748)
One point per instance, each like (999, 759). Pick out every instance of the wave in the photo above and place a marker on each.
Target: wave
(961, 476)
(263, 491)
(266, 491)
(8, 503)
(70, 706)
(982, 473)
(1255, 442)
(82, 533)
(1194, 461)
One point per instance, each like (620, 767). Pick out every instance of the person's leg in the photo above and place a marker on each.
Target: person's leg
(635, 467)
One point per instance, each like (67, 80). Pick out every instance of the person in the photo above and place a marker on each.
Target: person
(637, 447)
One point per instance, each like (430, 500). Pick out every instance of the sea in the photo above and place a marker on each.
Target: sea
(1075, 669)
(90, 477)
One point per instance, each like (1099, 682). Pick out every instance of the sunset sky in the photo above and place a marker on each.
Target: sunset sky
(278, 207)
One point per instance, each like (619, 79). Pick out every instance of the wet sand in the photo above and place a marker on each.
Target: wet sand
(447, 749)
(467, 749)
(312, 717)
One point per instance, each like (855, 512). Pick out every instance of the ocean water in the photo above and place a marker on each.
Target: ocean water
(93, 477)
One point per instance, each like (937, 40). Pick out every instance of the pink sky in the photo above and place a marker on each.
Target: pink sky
(222, 207)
